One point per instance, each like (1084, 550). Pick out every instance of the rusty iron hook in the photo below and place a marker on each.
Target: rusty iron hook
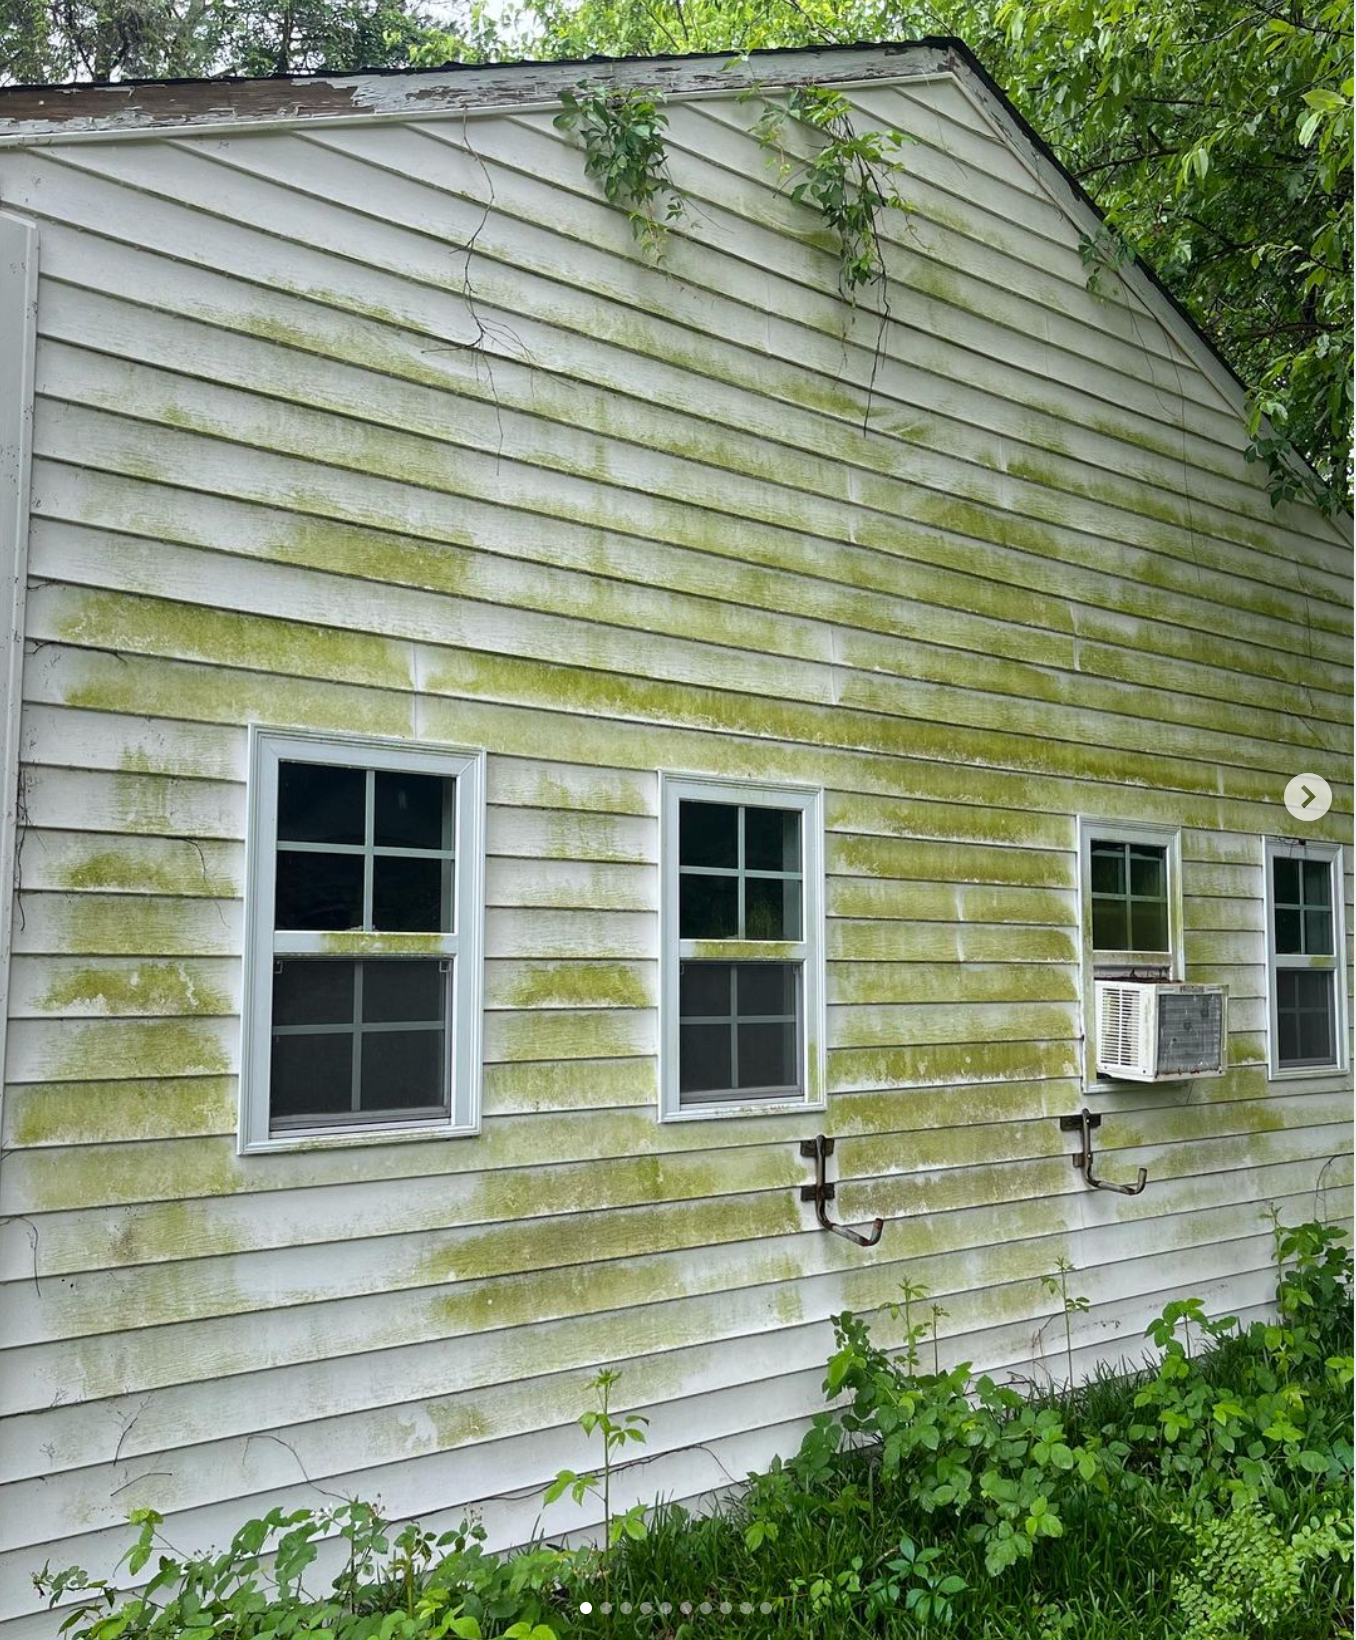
(821, 1191)
(1083, 1124)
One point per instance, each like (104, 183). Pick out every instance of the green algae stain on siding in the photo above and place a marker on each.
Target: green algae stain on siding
(225, 637)
(114, 1049)
(163, 988)
(92, 1113)
(579, 985)
(172, 689)
(127, 869)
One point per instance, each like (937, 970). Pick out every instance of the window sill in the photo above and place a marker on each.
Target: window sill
(763, 1107)
(406, 1133)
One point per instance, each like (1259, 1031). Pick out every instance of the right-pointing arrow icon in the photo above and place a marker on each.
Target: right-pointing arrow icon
(1308, 797)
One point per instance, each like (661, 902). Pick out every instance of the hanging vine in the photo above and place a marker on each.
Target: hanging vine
(850, 179)
(623, 136)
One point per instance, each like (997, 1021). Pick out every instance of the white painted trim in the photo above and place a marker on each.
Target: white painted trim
(1300, 848)
(809, 950)
(1169, 837)
(266, 748)
(468, 92)
(18, 347)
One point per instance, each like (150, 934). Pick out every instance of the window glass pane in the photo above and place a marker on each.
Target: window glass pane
(1285, 881)
(767, 1056)
(1108, 868)
(1288, 928)
(1110, 925)
(1148, 925)
(708, 907)
(1317, 881)
(767, 988)
(1148, 872)
(318, 890)
(771, 908)
(708, 834)
(413, 810)
(395, 991)
(1305, 1017)
(403, 1070)
(1287, 1036)
(1318, 932)
(772, 839)
(312, 1075)
(319, 803)
(411, 895)
(313, 993)
(704, 1059)
(704, 990)
(1315, 1034)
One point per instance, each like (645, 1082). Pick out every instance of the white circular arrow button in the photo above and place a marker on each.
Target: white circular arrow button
(1308, 797)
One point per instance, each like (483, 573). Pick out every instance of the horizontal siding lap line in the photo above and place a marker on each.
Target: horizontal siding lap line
(336, 142)
(882, 676)
(48, 1134)
(302, 305)
(1195, 523)
(206, 636)
(843, 777)
(86, 1315)
(1038, 1188)
(366, 410)
(1024, 679)
(997, 1138)
(405, 325)
(826, 1275)
(295, 1424)
(953, 1335)
(1101, 1315)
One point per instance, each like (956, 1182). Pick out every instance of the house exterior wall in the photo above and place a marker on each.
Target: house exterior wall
(300, 459)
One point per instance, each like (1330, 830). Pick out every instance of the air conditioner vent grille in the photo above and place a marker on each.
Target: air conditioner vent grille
(1189, 1032)
(1119, 1041)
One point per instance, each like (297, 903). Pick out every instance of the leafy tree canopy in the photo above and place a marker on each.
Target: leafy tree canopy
(1215, 134)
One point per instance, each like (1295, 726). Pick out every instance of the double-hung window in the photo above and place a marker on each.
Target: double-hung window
(1305, 982)
(1131, 877)
(362, 988)
(743, 988)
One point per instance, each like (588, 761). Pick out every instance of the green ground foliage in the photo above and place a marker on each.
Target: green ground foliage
(1205, 1496)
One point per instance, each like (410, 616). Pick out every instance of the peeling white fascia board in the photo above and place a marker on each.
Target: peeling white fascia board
(18, 340)
(346, 99)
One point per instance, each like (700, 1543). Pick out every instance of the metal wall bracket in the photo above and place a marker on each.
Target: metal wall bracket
(819, 1149)
(1083, 1124)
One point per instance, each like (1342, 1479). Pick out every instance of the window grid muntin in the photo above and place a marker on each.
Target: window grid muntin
(1127, 849)
(740, 872)
(1330, 963)
(357, 1028)
(734, 1020)
(370, 850)
(1303, 906)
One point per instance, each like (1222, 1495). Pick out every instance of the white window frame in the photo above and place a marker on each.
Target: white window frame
(267, 749)
(808, 951)
(1094, 963)
(1293, 848)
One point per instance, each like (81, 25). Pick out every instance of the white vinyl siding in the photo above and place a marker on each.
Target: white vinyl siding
(362, 940)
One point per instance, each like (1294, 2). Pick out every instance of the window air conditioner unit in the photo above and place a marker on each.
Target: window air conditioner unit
(1160, 1032)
